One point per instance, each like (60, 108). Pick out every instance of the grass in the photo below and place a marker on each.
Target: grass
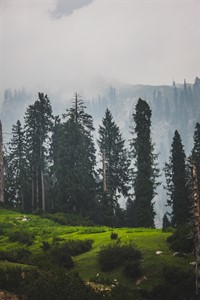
(147, 240)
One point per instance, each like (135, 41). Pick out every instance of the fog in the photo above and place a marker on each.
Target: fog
(67, 46)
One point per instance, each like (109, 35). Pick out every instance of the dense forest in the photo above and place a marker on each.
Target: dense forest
(51, 163)
(64, 234)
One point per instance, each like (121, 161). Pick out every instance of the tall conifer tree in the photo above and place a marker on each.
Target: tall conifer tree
(38, 125)
(176, 179)
(145, 169)
(74, 160)
(115, 169)
(18, 163)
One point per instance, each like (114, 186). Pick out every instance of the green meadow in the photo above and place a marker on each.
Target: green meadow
(148, 241)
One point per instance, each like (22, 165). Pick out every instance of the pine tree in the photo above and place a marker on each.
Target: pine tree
(176, 179)
(38, 125)
(19, 165)
(145, 170)
(165, 223)
(74, 160)
(115, 170)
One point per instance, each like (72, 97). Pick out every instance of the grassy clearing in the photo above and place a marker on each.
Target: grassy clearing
(147, 240)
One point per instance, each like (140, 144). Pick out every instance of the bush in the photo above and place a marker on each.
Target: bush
(68, 219)
(113, 236)
(43, 261)
(62, 258)
(16, 255)
(11, 278)
(178, 284)
(45, 246)
(115, 255)
(121, 292)
(22, 237)
(57, 255)
(41, 285)
(132, 269)
(181, 240)
(36, 284)
(74, 247)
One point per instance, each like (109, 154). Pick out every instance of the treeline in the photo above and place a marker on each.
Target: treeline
(51, 165)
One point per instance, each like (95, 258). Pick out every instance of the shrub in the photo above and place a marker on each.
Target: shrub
(68, 219)
(16, 255)
(62, 258)
(36, 284)
(11, 278)
(178, 284)
(45, 246)
(74, 247)
(121, 292)
(181, 240)
(43, 261)
(41, 285)
(132, 269)
(22, 237)
(113, 235)
(114, 255)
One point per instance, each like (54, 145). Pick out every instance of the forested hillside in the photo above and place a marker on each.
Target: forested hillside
(173, 108)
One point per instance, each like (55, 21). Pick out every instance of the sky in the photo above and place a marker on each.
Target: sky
(63, 46)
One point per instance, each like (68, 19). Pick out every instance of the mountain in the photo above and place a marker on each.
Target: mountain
(175, 107)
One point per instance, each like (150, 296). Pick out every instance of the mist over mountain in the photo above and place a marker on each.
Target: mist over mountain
(173, 107)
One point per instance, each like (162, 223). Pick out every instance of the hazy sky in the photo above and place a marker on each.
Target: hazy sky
(72, 45)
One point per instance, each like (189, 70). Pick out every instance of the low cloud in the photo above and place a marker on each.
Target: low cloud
(67, 7)
(148, 42)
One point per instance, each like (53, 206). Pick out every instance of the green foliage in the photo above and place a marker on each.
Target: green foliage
(40, 285)
(45, 246)
(178, 284)
(113, 235)
(68, 219)
(114, 255)
(182, 239)
(121, 292)
(148, 241)
(11, 278)
(73, 247)
(35, 284)
(60, 255)
(22, 237)
(132, 269)
(19, 255)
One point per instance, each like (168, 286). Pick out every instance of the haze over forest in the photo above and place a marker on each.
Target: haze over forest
(111, 53)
